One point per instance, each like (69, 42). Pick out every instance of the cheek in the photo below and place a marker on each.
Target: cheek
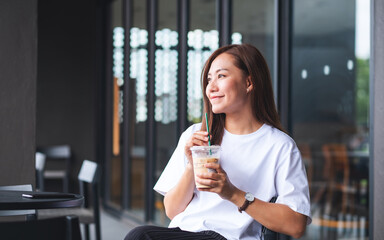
(230, 88)
(207, 90)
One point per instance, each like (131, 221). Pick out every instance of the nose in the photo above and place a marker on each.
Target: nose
(211, 87)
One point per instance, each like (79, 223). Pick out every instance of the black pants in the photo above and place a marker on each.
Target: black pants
(159, 233)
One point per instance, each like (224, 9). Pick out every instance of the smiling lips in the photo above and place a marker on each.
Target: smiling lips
(215, 97)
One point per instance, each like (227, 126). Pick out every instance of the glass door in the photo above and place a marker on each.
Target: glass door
(329, 112)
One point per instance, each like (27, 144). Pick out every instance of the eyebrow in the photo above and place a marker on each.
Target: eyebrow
(218, 70)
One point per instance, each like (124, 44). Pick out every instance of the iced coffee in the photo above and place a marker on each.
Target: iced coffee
(202, 155)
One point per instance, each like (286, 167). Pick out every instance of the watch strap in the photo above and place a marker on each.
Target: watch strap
(244, 206)
(249, 198)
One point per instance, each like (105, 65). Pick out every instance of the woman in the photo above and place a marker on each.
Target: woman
(258, 161)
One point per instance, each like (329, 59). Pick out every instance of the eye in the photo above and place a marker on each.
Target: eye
(209, 79)
(220, 75)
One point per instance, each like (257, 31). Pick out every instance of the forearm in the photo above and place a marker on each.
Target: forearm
(178, 198)
(274, 216)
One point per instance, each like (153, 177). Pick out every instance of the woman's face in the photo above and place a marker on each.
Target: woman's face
(227, 86)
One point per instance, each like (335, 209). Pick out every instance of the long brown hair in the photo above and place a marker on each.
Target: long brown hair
(249, 59)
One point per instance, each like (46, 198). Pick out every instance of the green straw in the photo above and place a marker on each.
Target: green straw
(206, 122)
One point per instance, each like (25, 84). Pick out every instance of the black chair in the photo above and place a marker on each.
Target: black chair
(268, 234)
(29, 214)
(58, 163)
(61, 228)
(88, 214)
(40, 166)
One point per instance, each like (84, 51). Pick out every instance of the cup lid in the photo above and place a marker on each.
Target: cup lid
(213, 147)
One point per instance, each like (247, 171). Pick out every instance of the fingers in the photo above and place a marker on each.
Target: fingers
(212, 183)
(210, 178)
(217, 182)
(199, 138)
(215, 166)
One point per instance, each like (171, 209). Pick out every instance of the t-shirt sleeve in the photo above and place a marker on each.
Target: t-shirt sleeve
(175, 167)
(292, 182)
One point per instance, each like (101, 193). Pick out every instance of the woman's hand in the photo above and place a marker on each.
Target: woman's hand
(199, 138)
(271, 215)
(219, 181)
(178, 198)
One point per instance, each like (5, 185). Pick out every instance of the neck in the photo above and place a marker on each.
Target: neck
(241, 123)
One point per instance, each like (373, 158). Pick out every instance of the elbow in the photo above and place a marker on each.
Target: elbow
(168, 210)
(171, 212)
(169, 215)
(298, 231)
(298, 234)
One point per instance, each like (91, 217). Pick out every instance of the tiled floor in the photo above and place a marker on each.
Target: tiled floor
(113, 228)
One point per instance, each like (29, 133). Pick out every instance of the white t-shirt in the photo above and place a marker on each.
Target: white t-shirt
(266, 163)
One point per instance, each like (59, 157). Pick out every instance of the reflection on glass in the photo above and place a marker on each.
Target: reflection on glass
(166, 66)
(253, 21)
(139, 70)
(166, 76)
(118, 81)
(138, 77)
(201, 44)
(329, 113)
(203, 39)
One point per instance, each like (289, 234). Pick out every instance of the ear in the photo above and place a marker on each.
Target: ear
(249, 84)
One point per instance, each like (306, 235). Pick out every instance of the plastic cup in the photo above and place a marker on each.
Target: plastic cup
(202, 155)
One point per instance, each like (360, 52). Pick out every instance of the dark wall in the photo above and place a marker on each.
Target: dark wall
(18, 65)
(376, 170)
(67, 78)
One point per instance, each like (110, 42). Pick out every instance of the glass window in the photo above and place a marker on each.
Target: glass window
(166, 66)
(138, 77)
(329, 112)
(117, 109)
(254, 23)
(203, 39)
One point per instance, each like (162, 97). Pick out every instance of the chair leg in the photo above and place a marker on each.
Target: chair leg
(98, 230)
(344, 201)
(65, 184)
(31, 217)
(86, 231)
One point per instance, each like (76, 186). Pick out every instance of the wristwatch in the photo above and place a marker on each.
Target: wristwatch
(249, 198)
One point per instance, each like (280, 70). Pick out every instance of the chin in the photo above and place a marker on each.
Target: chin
(216, 110)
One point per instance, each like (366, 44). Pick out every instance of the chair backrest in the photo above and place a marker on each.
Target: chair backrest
(27, 213)
(60, 228)
(23, 187)
(88, 172)
(88, 175)
(306, 155)
(336, 157)
(58, 163)
(40, 161)
(56, 151)
(40, 166)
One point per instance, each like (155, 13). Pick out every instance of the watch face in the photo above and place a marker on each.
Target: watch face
(249, 197)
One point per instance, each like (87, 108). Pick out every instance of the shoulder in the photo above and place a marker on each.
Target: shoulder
(190, 130)
(279, 138)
